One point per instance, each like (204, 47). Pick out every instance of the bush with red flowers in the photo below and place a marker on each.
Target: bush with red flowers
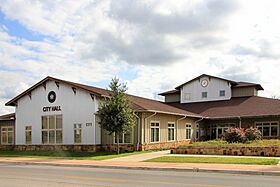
(240, 135)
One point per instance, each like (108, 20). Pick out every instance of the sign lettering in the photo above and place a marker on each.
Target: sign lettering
(51, 108)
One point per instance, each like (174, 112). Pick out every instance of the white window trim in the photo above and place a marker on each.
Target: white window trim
(262, 122)
(114, 138)
(202, 95)
(191, 128)
(171, 128)
(52, 129)
(31, 134)
(151, 131)
(222, 95)
(78, 129)
(7, 143)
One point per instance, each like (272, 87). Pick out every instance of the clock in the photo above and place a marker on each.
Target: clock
(204, 83)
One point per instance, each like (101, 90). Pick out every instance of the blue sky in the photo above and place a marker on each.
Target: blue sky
(151, 45)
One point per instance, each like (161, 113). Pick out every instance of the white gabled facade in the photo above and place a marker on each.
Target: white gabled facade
(193, 91)
(75, 106)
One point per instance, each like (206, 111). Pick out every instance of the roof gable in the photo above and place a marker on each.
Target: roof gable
(205, 75)
(94, 90)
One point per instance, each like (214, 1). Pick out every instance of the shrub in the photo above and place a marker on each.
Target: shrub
(239, 135)
(234, 135)
(253, 134)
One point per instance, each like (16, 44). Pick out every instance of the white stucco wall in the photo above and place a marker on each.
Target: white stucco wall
(75, 108)
(213, 90)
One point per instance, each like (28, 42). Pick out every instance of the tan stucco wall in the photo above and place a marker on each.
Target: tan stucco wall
(163, 119)
(243, 92)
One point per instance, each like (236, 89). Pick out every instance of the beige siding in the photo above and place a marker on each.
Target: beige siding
(163, 119)
(172, 98)
(243, 92)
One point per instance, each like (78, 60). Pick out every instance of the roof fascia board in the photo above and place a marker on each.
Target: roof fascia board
(13, 101)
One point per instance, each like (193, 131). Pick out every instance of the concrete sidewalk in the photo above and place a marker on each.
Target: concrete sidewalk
(190, 167)
(140, 157)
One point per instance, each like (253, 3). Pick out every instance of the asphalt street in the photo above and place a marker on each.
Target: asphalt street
(29, 176)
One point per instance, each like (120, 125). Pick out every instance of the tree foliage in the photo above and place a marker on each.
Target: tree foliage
(115, 113)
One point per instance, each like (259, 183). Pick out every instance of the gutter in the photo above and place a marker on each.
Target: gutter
(145, 124)
(138, 131)
(171, 113)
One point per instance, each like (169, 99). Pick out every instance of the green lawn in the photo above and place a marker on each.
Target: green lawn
(66, 154)
(216, 160)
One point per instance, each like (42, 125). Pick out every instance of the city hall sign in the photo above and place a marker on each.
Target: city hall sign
(51, 108)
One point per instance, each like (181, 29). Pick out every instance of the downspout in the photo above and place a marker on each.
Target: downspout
(239, 121)
(198, 124)
(138, 131)
(177, 124)
(145, 124)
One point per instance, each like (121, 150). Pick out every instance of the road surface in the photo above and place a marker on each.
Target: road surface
(56, 176)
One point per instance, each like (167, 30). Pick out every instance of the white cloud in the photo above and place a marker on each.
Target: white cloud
(166, 43)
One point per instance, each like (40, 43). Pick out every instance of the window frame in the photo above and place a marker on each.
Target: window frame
(261, 124)
(55, 129)
(28, 131)
(224, 93)
(202, 95)
(169, 128)
(122, 138)
(7, 134)
(188, 127)
(155, 127)
(75, 128)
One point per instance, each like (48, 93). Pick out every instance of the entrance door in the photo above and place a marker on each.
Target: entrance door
(220, 131)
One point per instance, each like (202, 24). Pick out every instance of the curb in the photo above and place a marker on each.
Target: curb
(240, 172)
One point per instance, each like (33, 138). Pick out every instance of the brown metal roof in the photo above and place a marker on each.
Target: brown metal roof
(140, 104)
(10, 116)
(235, 107)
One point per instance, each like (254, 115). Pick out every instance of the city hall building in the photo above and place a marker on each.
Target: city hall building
(58, 114)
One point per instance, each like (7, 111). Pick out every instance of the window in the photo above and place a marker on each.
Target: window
(154, 131)
(77, 133)
(7, 135)
(188, 131)
(28, 135)
(204, 94)
(124, 138)
(52, 129)
(197, 132)
(187, 96)
(222, 93)
(171, 131)
(268, 129)
(219, 130)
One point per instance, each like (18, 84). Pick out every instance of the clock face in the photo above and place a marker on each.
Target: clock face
(204, 82)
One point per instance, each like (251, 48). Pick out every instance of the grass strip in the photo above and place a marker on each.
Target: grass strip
(215, 160)
(69, 155)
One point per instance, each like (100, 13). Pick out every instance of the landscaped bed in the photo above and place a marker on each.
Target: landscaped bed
(215, 160)
(218, 147)
(259, 143)
(66, 154)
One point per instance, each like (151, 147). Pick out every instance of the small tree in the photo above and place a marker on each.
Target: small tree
(115, 113)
